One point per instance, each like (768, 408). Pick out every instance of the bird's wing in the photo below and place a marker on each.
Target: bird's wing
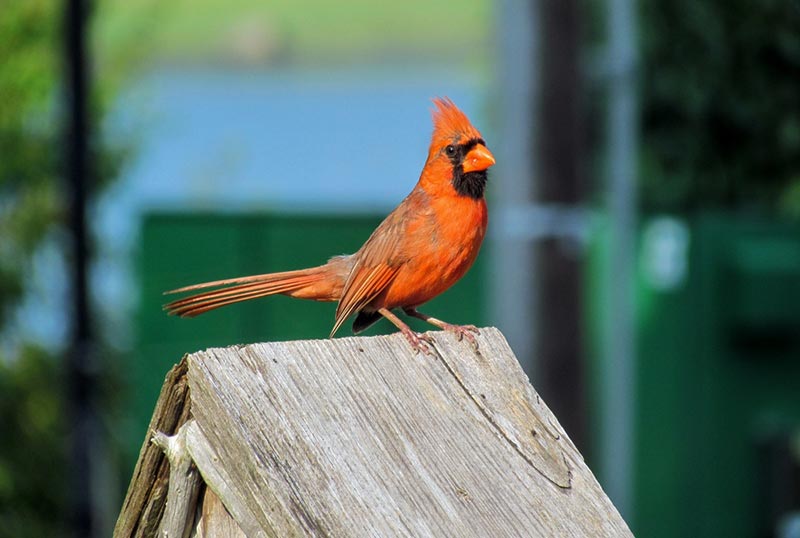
(366, 285)
(377, 262)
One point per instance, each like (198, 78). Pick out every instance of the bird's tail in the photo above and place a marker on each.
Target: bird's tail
(323, 283)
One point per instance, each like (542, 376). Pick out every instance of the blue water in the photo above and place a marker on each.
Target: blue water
(244, 140)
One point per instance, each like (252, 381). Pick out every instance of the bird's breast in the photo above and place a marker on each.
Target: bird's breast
(441, 245)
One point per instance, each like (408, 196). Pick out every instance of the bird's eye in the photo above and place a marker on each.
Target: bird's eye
(450, 150)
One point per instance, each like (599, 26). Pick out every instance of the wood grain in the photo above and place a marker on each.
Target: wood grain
(215, 521)
(360, 437)
(184, 485)
(144, 502)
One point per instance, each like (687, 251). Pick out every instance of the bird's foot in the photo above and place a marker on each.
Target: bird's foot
(462, 332)
(420, 342)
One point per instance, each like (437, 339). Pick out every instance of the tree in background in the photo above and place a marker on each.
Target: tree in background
(720, 104)
(32, 205)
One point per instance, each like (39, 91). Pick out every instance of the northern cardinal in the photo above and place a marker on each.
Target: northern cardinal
(421, 249)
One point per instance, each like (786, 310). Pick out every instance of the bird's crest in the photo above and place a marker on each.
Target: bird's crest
(449, 122)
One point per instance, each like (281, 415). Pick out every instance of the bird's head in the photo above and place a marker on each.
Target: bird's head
(458, 157)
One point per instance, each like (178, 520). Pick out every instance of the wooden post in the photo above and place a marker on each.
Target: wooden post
(361, 437)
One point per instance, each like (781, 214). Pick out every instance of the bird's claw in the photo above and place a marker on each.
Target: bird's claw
(464, 331)
(419, 342)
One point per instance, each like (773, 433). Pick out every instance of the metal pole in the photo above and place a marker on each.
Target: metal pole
(79, 378)
(530, 218)
(617, 440)
(512, 181)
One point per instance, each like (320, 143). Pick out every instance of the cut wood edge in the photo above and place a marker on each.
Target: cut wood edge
(218, 480)
(520, 417)
(184, 484)
(214, 520)
(145, 499)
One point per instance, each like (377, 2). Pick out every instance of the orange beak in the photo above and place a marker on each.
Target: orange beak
(479, 158)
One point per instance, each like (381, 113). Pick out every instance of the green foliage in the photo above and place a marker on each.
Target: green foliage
(32, 458)
(311, 32)
(32, 461)
(28, 200)
(33, 464)
(721, 103)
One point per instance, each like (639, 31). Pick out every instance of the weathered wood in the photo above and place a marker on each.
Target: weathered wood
(144, 503)
(184, 485)
(215, 521)
(360, 437)
(219, 481)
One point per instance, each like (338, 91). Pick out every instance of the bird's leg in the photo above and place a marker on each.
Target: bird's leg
(419, 342)
(461, 331)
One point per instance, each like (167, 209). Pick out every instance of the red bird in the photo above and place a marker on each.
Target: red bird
(421, 249)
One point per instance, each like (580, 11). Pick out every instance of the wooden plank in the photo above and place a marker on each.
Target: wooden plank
(509, 403)
(144, 502)
(214, 520)
(360, 437)
(222, 484)
(184, 485)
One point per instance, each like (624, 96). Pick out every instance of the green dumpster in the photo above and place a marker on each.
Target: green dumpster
(717, 381)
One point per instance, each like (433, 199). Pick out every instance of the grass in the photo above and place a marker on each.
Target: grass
(317, 32)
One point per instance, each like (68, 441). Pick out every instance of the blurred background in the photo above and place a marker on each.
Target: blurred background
(644, 258)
